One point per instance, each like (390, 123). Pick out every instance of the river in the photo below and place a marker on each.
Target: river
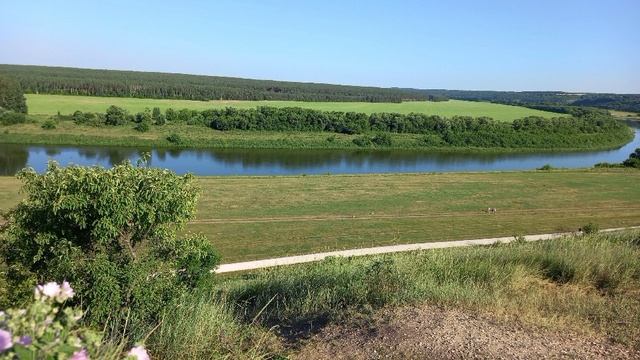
(295, 162)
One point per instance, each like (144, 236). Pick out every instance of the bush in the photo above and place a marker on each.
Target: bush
(11, 117)
(633, 160)
(111, 231)
(590, 228)
(158, 117)
(49, 125)
(175, 139)
(142, 126)
(362, 141)
(382, 139)
(115, 116)
(546, 167)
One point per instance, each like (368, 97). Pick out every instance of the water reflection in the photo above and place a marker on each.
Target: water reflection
(272, 162)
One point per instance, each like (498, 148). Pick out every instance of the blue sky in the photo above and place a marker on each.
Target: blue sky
(496, 45)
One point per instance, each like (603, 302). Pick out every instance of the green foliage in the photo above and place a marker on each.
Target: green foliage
(158, 117)
(362, 141)
(115, 116)
(633, 160)
(11, 117)
(73, 81)
(200, 327)
(49, 125)
(175, 139)
(11, 95)
(142, 126)
(113, 232)
(590, 228)
(382, 139)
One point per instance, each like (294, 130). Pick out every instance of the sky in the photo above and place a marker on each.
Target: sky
(568, 45)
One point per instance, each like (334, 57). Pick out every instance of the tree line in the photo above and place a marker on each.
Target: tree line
(115, 83)
(546, 100)
(591, 128)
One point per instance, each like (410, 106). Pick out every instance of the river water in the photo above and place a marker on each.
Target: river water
(293, 162)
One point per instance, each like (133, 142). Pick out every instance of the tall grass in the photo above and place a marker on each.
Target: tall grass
(588, 284)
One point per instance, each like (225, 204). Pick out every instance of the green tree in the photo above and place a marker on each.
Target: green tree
(115, 116)
(158, 117)
(633, 160)
(113, 232)
(11, 95)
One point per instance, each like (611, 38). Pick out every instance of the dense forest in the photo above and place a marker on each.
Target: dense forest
(116, 83)
(73, 81)
(590, 128)
(545, 100)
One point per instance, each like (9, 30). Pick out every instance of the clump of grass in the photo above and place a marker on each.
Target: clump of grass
(200, 327)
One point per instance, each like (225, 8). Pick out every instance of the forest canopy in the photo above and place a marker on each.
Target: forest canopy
(115, 83)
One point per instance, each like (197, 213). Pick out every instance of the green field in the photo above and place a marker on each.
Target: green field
(66, 104)
(261, 217)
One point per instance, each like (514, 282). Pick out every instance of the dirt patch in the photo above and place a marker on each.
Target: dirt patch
(429, 332)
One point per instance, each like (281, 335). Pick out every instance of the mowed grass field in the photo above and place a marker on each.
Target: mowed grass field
(66, 104)
(261, 217)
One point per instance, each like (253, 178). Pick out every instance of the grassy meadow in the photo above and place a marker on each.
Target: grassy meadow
(260, 217)
(66, 104)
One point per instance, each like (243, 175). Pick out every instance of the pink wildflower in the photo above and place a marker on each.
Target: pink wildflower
(80, 355)
(139, 353)
(5, 340)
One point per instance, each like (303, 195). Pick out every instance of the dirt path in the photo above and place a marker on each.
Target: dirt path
(429, 332)
(290, 260)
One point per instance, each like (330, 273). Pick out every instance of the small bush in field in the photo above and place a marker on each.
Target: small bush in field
(49, 125)
(590, 228)
(175, 139)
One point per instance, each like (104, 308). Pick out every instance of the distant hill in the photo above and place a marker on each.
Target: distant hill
(155, 85)
(545, 100)
(116, 83)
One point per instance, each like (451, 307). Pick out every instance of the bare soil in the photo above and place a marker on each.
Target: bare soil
(429, 332)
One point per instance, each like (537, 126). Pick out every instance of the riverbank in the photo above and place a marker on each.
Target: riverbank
(258, 217)
(182, 136)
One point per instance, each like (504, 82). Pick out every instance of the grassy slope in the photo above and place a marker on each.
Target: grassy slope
(584, 284)
(65, 104)
(260, 217)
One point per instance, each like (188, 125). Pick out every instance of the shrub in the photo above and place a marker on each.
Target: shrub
(362, 141)
(11, 117)
(111, 231)
(546, 167)
(142, 126)
(175, 139)
(49, 125)
(115, 116)
(144, 116)
(633, 160)
(158, 117)
(382, 139)
(590, 228)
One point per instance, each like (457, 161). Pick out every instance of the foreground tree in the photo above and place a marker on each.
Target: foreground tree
(633, 160)
(113, 232)
(11, 95)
